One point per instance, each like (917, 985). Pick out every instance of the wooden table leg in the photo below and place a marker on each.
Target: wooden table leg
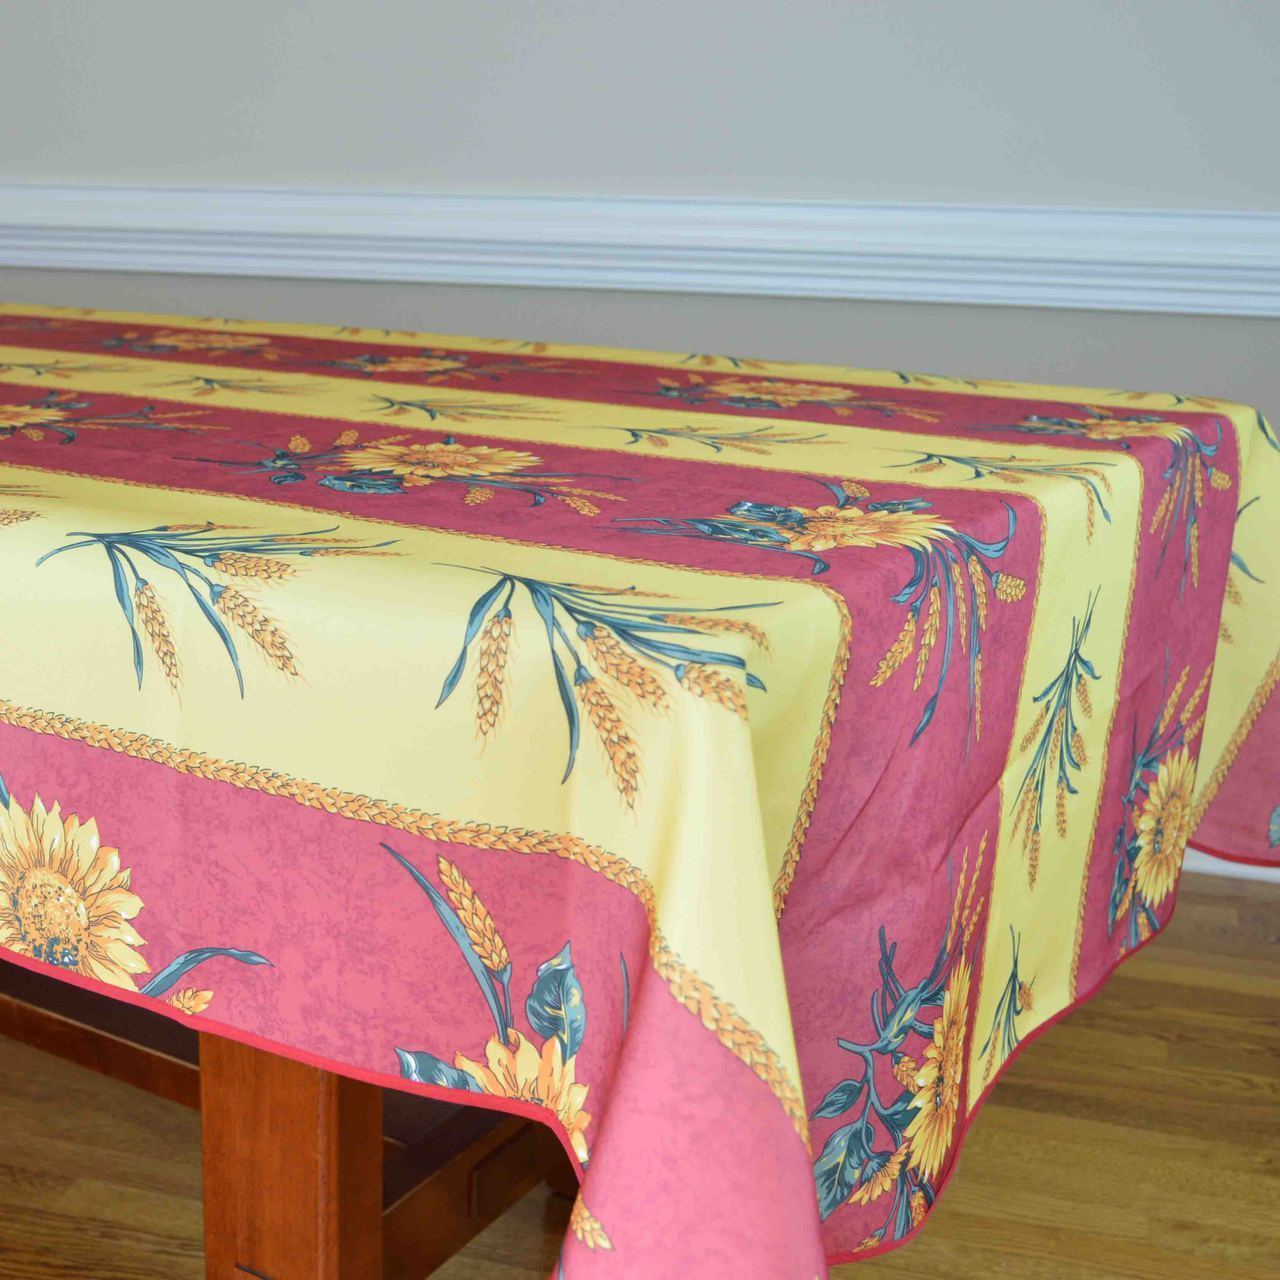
(292, 1169)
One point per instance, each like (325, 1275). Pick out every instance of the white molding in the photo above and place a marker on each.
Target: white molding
(1206, 864)
(1219, 263)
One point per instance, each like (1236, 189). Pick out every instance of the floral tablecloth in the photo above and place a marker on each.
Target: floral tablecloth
(726, 763)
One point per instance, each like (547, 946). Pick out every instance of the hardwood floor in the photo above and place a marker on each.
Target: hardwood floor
(1139, 1139)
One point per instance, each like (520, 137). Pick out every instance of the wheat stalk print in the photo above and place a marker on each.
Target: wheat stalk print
(479, 926)
(62, 415)
(510, 1065)
(1186, 477)
(1268, 433)
(751, 440)
(19, 515)
(1234, 595)
(1016, 998)
(152, 616)
(612, 650)
(1092, 477)
(947, 596)
(1189, 473)
(56, 368)
(948, 600)
(459, 410)
(1059, 744)
(188, 552)
(200, 385)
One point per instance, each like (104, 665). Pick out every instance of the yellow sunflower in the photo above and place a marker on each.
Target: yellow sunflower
(787, 394)
(881, 1180)
(209, 341)
(422, 463)
(64, 897)
(517, 1070)
(938, 1084)
(919, 1207)
(1164, 825)
(1116, 429)
(828, 527)
(189, 1000)
(18, 416)
(419, 364)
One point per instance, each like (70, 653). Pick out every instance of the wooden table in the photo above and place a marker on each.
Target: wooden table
(308, 1175)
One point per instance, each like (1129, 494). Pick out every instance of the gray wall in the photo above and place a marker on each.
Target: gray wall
(1067, 102)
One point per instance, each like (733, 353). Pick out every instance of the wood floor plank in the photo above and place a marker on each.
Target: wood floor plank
(1136, 1141)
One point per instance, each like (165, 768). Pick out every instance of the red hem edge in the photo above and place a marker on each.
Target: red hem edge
(385, 1080)
(971, 1113)
(1270, 864)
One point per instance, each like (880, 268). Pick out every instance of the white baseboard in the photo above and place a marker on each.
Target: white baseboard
(1208, 262)
(1206, 864)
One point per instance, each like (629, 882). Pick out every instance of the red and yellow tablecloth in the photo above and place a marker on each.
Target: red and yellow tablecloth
(727, 763)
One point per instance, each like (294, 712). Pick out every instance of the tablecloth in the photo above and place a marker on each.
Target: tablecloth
(727, 763)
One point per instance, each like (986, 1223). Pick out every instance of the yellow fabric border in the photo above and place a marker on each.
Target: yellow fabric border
(835, 684)
(1066, 856)
(1105, 762)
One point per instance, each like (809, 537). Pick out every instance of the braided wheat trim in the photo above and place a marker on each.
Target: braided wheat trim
(809, 797)
(1261, 695)
(692, 991)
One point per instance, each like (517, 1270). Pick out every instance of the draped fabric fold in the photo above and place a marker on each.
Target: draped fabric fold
(729, 764)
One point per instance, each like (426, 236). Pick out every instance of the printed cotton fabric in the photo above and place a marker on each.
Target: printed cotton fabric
(726, 763)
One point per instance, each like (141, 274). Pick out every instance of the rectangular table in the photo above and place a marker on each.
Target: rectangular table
(727, 764)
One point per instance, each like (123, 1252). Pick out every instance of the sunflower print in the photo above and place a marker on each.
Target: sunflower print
(936, 1088)
(519, 1070)
(178, 340)
(29, 419)
(420, 464)
(65, 899)
(787, 395)
(1156, 820)
(511, 1066)
(895, 1146)
(827, 527)
(60, 416)
(400, 463)
(189, 1000)
(1164, 826)
(780, 394)
(405, 364)
(434, 364)
(948, 596)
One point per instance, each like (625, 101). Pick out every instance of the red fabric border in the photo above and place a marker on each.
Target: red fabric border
(198, 1022)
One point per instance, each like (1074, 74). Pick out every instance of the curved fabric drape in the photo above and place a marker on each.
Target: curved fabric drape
(726, 763)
